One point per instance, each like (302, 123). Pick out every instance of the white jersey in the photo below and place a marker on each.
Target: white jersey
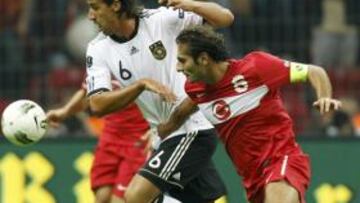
(150, 53)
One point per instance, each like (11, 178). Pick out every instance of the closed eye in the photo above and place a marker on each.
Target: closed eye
(181, 60)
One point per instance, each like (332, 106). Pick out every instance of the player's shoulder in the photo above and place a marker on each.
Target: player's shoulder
(259, 57)
(98, 40)
(97, 44)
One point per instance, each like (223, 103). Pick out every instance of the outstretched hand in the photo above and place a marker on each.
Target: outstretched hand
(325, 105)
(162, 90)
(150, 141)
(55, 117)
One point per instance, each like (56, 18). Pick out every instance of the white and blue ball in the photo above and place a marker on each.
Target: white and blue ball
(23, 122)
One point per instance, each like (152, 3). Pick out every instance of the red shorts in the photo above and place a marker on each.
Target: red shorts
(115, 165)
(295, 169)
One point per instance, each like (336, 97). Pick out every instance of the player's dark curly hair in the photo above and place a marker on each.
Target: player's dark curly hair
(202, 38)
(129, 7)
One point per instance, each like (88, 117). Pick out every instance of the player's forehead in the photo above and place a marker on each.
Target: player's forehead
(93, 2)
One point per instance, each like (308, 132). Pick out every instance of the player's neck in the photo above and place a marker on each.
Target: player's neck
(217, 72)
(126, 28)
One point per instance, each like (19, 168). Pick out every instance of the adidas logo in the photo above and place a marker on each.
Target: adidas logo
(177, 176)
(134, 50)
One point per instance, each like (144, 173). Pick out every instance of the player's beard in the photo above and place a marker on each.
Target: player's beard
(105, 31)
(102, 29)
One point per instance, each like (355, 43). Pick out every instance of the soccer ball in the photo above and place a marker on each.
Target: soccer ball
(24, 122)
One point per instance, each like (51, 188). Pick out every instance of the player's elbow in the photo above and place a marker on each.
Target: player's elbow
(97, 110)
(96, 107)
(226, 19)
(229, 18)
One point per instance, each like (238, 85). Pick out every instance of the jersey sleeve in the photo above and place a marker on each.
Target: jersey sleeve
(98, 74)
(178, 19)
(273, 71)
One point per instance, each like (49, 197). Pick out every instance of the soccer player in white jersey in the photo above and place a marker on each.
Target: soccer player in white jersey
(140, 43)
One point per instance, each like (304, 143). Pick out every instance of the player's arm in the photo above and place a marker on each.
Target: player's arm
(276, 72)
(321, 83)
(178, 117)
(214, 14)
(76, 104)
(319, 80)
(104, 102)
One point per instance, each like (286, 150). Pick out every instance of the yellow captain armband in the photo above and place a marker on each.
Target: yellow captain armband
(298, 72)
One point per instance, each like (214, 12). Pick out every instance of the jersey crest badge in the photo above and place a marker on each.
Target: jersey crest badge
(221, 110)
(158, 50)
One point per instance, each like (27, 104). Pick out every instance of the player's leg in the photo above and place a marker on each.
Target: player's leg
(281, 192)
(104, 171)
(116, 199)
(284, 179)
(141, 190)
(206, 187)
(177, 162)
(166, 199)
(103, 194)
(132, 158)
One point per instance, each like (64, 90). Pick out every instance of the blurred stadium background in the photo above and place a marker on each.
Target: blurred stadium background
(42, 46)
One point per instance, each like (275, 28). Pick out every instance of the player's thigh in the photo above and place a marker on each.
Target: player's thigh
(281, 192)
(103, 194)
(104, 167)
(141, 190)
(133, 159)
(116, 199)
(206, 187)
(179, 161)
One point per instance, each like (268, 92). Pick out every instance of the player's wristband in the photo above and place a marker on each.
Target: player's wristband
(155, 138)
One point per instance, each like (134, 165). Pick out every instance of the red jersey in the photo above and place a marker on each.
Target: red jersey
(124, 127)
(246, 109)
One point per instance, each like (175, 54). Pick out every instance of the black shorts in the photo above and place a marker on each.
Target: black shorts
(182, 167)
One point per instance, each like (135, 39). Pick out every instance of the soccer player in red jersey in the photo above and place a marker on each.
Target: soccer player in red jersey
(241, 98)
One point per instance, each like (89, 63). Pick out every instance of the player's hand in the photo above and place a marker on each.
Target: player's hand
(151, 141)
(146, 140)
(186, 5)
(162, 90)
(325, 105)
(55, 117)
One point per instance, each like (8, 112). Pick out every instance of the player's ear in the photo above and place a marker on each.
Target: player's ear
(203, 58)
(116, 5)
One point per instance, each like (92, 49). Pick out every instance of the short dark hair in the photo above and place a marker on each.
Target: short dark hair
(128, 7)
(203, 38)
